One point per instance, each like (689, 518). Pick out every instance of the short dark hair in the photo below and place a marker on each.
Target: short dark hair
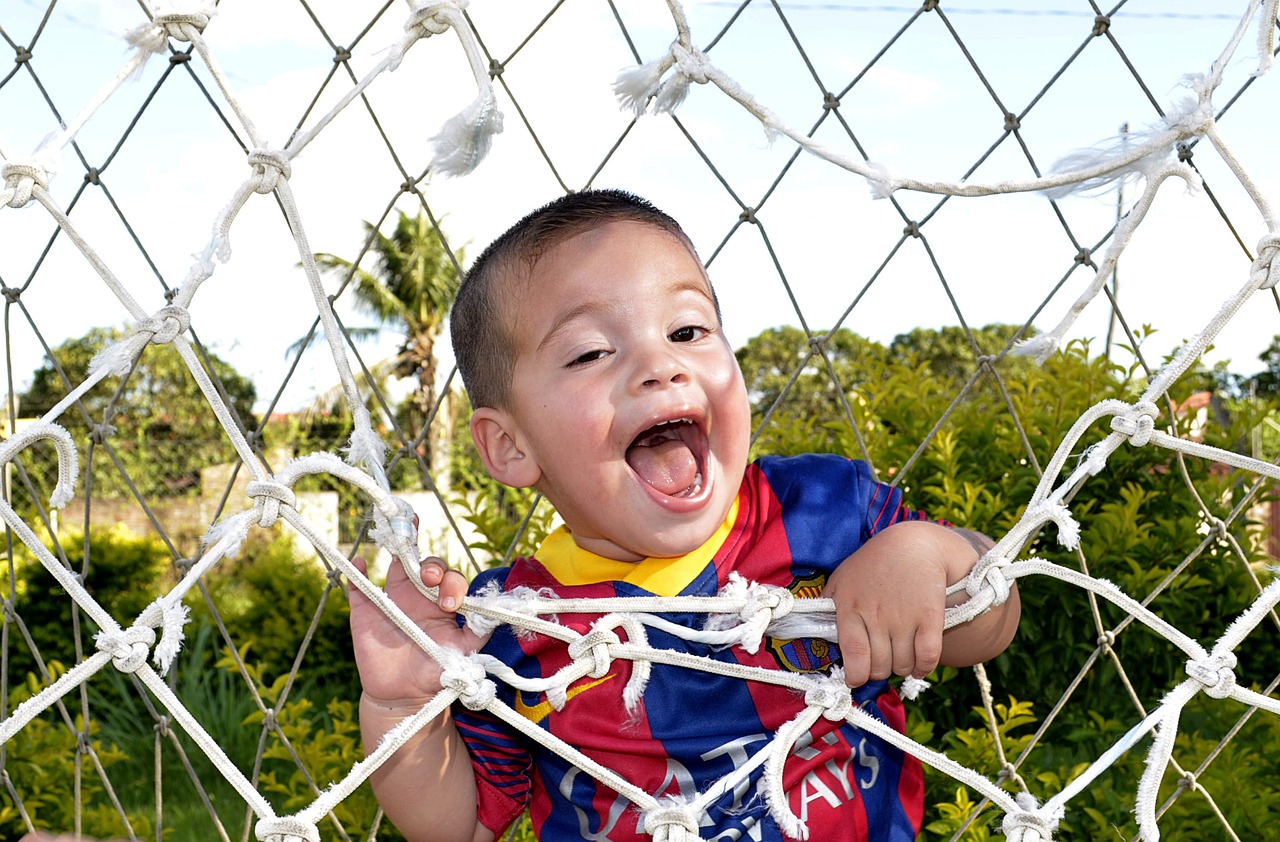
(482, 340)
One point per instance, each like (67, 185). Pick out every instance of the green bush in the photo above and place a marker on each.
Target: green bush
(48, 770)
(127, 572)
(271, 598)
(978, 468)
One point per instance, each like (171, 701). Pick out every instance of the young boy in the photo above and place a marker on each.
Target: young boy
(588, 337)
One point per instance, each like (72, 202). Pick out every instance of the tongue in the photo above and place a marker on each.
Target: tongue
(669, 466)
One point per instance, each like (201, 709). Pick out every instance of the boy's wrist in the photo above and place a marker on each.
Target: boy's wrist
(394, 707)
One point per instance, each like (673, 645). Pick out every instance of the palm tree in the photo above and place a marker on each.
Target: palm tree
(411, 284)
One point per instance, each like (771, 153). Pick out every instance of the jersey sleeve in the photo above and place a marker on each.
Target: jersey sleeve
(831, 505)
(499, 754)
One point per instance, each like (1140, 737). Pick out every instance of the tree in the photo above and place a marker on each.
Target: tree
(1266, 383)
(412, 284)
(952, 352)
(155, 420)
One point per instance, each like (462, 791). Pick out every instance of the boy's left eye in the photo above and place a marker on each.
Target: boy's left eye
(687, 334)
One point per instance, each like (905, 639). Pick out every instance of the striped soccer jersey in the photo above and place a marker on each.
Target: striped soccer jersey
(794, 521)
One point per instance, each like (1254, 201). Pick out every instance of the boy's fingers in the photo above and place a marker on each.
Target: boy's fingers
(855, 650)
(880, 661)
(928, 651)
(905, 656)
(453, 589)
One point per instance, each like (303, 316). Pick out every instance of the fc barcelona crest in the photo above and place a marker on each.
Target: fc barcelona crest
(805, 654)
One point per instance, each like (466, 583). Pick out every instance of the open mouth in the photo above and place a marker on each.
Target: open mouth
(668, 456)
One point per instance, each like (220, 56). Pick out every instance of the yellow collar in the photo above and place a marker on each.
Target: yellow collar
(572, 565)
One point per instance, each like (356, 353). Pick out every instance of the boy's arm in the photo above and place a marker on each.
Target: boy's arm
(427, 788)
(890, 599)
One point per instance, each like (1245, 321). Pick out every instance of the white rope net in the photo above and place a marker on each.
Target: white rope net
(60, 150)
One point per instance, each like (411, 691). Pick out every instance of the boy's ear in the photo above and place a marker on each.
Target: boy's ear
(502, 450)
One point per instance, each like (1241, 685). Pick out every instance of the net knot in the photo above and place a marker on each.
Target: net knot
(1101, 24)
(175, 24)
(671, 822)
(1216, 673)
(269, 495)
(286, 829)
(1030, 822)
(101, 432)
(1138, 424)
(691, 63)
(596, 644)
(128, 648)
(992, 577)
(269, 165)
(1106, 640)
(467, 678)
(20, 180)
(433, 19)
(166, 324)
(1266, 268)
(11, 294)
(832, 695)
(762, 606)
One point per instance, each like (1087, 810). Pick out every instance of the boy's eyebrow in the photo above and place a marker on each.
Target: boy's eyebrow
(588, 308)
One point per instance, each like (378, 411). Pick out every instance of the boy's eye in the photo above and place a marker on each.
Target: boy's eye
(588, 357)
(688, 333)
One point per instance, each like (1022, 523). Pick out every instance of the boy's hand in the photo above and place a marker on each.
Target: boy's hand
(890, 598)
(394, 672)
(891, 601)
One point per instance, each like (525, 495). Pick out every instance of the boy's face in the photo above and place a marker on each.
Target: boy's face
(627, 407)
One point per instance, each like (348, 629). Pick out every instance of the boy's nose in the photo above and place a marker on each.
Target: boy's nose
(658, 369)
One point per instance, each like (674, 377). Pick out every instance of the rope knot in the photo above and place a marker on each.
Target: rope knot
(671, 822)
(1030, 822)
(270, 165)
(468, 679)
(1216, 673)
(11, 294)
(762, 605)
(269, 495)
(595, 643)
(992, 577)
(166, 324)
(832, 695)
(691, 63)
(1266, 268)
(286, 829)
(1138, 424)
(129, 648)
(433, 19)
(20, 179)
(175, 24)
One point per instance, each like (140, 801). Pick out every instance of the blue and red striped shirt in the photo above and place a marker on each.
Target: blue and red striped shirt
(795, 520)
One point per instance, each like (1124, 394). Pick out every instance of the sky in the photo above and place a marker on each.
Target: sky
(825, 251)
